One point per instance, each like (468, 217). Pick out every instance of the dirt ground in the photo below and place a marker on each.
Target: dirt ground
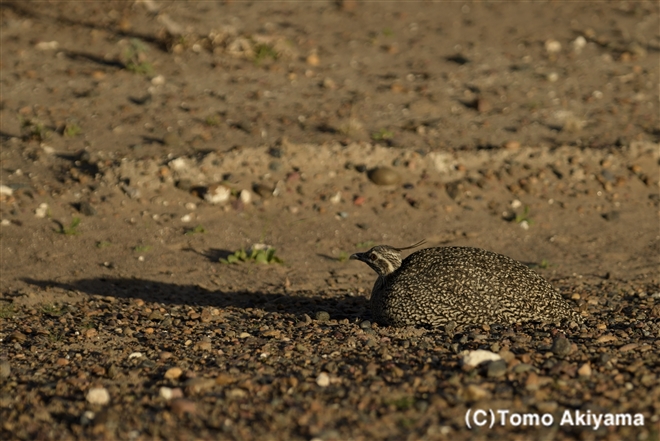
(144, 141)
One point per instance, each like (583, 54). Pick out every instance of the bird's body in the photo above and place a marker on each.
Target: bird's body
(436, 286)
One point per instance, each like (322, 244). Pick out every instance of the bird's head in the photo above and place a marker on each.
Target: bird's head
(383, 259)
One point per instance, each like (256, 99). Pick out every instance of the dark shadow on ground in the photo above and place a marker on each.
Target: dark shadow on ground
(297, 303)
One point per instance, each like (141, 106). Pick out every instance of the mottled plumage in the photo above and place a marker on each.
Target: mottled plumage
(435, 286)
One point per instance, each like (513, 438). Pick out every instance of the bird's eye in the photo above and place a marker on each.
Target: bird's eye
(373, 257)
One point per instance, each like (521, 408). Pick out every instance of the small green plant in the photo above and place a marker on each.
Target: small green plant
(52, 310)
(72, 229)
(365, 244)
(343, 256)
(212, 120)
(33, 130)
(135, 59)
(7, 311)
(103, 244)
(197, 230)
(260, 255)
(382, 134)
(56, 337)
(264, 51)
(524, 217)
(388, 32)
(403, 403)
(142, 248)
(71, 130)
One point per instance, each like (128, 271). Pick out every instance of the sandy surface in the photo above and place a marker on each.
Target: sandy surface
(142, 142)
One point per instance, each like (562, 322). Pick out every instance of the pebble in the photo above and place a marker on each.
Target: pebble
(199, 384)
(6, 191)
(475, 358)
(41, 211)
(322, 316)
(496, 368)
(217, 194)
(173, 373)
(384, 176)
(170, 393)
(87, 209)
(476, 393)
(184, 184)
(561, 346)
(245, 196)
(182, 406)
(584, 370)
(98, 395)
(263, 190)
(323, 380)
(5, 368)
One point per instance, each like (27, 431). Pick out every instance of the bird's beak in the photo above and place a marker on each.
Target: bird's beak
(356, 256)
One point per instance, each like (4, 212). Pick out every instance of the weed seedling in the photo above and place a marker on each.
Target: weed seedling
(524, 217)
(135, 60)
(382, 134)
(264, 51)
(259, 255)
(197, 230)
(72, 229)
(343, 256)
(71, 130)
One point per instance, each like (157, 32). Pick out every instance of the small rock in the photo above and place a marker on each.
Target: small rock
(522, 367)
(224, 379)
(552, 46)
(384, 176)
(173, 373)
(584, 370)
(496, 368)
(323, 380)
(184, 184)
(236, 393)
(476, 393)
(62, 362)
(41, 211)
(561, 346)
(217, 194)
(199, 384)
(628, 347)
(5, 368)
(366, 324)
(313, 59)
(91, 333)
(182, 406)
(245, 196)
(322, 316)
(170, 393)
(98, 395)
(263, 190)
(475, 358)
(6, 191)
(17, 337)
(87, 209)
(611, 215)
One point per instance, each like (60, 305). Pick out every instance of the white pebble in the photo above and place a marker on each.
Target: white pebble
(579, 43)
(552, 46)
(98, 395)
(5, 222)
(217, 194)
(135, 355)
(323, 380)
(336, 198)
(516, 203)
(186, 218)
(166, 393)
(7, 191)
(475, 358)
(245, 196)
(158, 80)
(46, 45)
(524, 225)
(191, 206)
(41, 211)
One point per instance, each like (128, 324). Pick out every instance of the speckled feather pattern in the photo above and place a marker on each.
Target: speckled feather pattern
(464, 285)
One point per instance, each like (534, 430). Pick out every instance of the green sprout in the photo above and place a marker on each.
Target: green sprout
(199, 229)
(382, 134)
(263, 255)
(135, 59)
(72, 229)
